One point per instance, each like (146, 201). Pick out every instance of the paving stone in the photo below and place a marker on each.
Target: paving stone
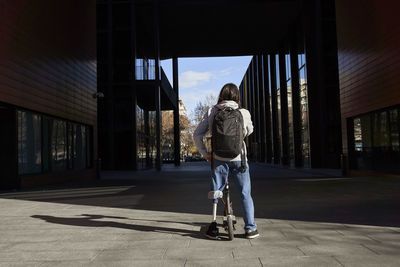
(386, 237)
(300, 261)
(70, 246)
(131, 254)
(266, 250)
(224, 262)
(152, 244)
(368, 261)
(315, 226)
(333, 249)
(204, 243)
(346, 239)
(20, 264)
(286, 242)
(214, 251)
(136, 236)
(367, 229)
(384, 249)
(17, 256)
(117, 263)
(65, 263)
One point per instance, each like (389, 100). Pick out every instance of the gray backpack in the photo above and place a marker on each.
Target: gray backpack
(227, 134)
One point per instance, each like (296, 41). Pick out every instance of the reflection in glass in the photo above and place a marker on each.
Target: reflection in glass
(290, 108)
(358, 145)
(146, 128)
(394, 129)
(58, 145)
(29, 143)
(305, 135)
(145, 69)
(376, 141)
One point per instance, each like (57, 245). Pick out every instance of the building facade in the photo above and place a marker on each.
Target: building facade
(369, 71)
(322, 87)
(329, 98)
(292, 93)
(136, 89)
(47, 83)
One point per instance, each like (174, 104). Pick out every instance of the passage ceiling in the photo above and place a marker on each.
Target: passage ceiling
(190, 28)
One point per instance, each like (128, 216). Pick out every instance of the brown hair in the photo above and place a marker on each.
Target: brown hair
(229, 92)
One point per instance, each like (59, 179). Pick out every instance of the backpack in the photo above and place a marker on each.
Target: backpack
(227, 134)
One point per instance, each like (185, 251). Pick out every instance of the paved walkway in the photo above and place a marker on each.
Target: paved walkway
(149, 218)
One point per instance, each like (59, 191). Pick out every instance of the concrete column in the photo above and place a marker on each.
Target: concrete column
(177, 139)
(268, 124)
(257, 124)
(261, 95)
(109, 161)
(284, 110)
(296, 108)
(323, 84)
(251, 110)
(157, 82)
(275, 120)
(134, 148)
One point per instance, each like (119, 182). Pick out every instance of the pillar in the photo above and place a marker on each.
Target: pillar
(157, 82)
(323, 84)
(296, 101)
(268, 124)
(274, 105)
(284, 109)
(177, 140)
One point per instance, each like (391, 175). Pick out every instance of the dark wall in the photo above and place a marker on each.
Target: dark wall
(369, 56)
(48, 57)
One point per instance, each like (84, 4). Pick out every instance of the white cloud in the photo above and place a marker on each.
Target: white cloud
(191, 79)
(225, 72)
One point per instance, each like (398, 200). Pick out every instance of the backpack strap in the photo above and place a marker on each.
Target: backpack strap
(242, 153)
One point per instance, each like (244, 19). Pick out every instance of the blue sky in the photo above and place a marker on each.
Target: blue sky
(199, 77)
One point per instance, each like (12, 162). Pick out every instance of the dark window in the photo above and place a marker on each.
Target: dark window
(46, 144)
(29, 143)
(80, 147)
(46, 134)
(71, 128)
(78, 150)
(89, 147)
(58, 145)
(376, 141)
(394, 129)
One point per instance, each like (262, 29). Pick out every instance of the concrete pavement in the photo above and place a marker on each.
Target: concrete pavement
(149, 218)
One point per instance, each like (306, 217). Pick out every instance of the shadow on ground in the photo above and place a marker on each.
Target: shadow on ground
(92, 220)
(278, 194)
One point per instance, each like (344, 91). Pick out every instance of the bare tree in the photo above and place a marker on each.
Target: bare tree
(202, 107)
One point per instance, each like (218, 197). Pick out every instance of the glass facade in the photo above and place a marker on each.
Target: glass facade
(278, 96)
(146, 138)
(145, 69)
(77, 146)
(286, 75)
(58, 145)
(376, 141)
(290, 108)
(305, 134)
(47, 144)
(29, 143)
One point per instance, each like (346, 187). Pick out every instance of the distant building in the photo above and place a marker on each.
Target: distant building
(182, 108)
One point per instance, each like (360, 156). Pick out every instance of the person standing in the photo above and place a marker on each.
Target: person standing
(227, 164)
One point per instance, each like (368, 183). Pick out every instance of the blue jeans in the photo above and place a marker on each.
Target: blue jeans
(222, 170)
